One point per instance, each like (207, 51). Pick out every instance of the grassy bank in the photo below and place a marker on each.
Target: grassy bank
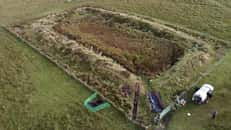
(208, 17)
(201, 114)
(35, 94)
(33, 90)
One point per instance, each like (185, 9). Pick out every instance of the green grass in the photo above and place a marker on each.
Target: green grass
(35, 94)
(208, 18)
(204, 16)
(12, 11)
(27, 97)
(201, 114)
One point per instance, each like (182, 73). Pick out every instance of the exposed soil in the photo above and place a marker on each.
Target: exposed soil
(99, 73)
(138, 52)
(105, 53)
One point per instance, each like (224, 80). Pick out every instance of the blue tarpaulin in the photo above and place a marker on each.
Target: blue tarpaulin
(155, 103)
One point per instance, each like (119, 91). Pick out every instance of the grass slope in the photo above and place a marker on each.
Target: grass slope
(34, 94)
(201, 114)
(207, 17)
(12, 11)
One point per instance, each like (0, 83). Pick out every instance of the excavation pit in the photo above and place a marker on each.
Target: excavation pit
(106, 51)
(129, 43)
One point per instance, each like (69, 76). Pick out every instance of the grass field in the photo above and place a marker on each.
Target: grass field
(207, 17)
(12, 11)
(201, 115)
(34, 94)
(141, 47)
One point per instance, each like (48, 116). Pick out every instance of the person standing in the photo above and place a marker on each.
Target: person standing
(214, 114)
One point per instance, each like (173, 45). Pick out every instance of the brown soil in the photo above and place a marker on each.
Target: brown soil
(67, 39)
(137, 52)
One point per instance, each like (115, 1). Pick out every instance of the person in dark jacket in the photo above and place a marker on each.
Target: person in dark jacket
(214, 114)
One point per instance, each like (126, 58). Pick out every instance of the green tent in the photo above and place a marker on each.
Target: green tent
(97, 108)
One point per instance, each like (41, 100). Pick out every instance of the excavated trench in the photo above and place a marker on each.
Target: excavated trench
(105, 52)
(137, 50)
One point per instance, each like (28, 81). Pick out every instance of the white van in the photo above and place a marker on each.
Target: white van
(202, 94)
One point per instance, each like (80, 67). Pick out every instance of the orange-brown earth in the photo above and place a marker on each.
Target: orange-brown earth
(139, 52)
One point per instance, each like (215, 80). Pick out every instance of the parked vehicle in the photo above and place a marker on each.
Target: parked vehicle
(203, 94)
